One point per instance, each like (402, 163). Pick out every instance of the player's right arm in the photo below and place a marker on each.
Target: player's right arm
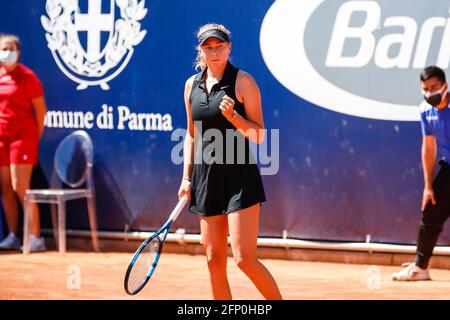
(429, 153)
(188, 147)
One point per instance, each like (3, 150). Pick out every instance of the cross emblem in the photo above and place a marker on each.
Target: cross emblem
(95, 22)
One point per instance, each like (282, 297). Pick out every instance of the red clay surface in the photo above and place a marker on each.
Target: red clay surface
(178, 277)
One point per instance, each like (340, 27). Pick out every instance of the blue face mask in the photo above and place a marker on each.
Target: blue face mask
(8, 57)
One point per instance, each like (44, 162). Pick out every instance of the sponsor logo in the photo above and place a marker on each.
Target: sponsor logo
(361, 58)
(75, 37)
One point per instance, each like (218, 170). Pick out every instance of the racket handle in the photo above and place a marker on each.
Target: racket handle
(180, 205)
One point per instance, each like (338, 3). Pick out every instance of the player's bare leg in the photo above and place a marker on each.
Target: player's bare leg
(215, 240)
(243, 226)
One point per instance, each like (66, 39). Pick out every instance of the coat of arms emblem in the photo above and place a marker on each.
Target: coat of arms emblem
(91, 47)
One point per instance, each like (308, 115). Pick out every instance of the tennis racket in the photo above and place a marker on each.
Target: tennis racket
(146, 257)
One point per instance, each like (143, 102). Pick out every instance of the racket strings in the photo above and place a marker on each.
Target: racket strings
(143, 265)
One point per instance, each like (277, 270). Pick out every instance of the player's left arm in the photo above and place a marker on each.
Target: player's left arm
(247, 92)
(40, 109)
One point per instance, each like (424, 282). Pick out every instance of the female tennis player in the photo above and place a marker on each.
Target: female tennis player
(223, 104)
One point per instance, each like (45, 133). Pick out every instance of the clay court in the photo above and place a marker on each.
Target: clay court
(183, 276)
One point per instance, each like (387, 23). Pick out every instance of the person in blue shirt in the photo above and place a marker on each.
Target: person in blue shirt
(435, 124)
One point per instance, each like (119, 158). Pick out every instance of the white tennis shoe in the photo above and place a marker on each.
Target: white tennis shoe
(11, 242)
(37, 244)
(411, 272)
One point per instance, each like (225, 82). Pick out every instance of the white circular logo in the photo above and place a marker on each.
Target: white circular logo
(349, 57)
(88, 63)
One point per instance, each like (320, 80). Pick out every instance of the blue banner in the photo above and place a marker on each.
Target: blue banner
(341, 91)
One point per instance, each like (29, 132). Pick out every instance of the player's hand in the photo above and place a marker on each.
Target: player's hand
(227, 106)
(185, 189)
(428, 195)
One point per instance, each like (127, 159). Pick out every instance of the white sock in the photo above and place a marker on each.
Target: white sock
(12, 234)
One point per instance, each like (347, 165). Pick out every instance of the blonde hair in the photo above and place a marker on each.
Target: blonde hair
(12, 37)
(199, 61)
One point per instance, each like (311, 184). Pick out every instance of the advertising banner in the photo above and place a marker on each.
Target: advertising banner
(340, 90)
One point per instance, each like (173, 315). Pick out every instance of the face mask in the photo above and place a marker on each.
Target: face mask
(434, 98)
(8, 57)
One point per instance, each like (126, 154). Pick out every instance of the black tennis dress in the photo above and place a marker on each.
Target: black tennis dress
(225, 176)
